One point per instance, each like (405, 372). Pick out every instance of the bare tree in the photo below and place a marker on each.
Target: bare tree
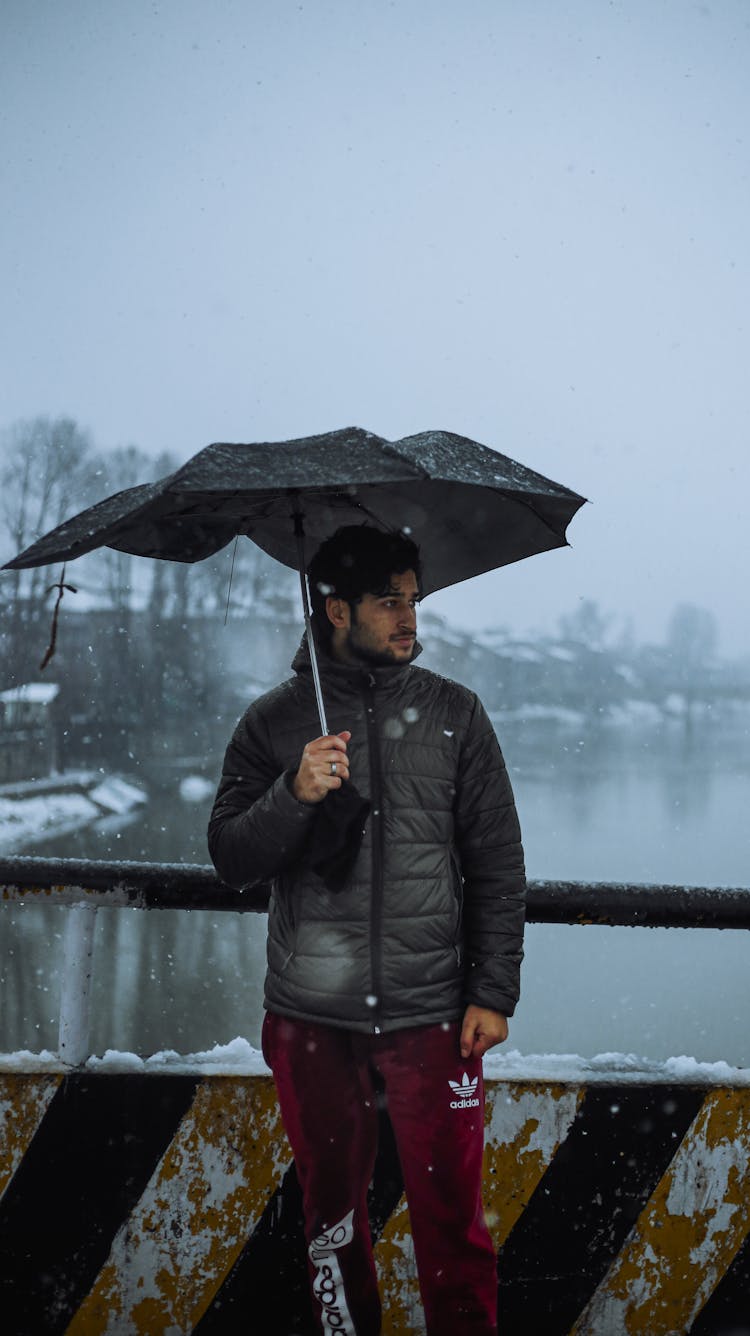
(588, 624)
(123, 467)
(48, 470)
(692, 637)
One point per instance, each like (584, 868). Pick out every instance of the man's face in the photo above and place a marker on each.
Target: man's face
(381, 629)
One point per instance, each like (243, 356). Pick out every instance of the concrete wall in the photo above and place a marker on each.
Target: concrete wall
(141, 1203)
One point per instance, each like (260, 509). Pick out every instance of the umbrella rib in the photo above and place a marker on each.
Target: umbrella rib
(372, 516)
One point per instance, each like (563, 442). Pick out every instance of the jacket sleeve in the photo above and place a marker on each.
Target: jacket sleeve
(257, 826)
(488, 839)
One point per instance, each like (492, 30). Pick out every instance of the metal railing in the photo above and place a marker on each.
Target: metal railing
(83, 886)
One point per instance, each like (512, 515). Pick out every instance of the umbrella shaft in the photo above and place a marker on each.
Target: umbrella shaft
(300, 535)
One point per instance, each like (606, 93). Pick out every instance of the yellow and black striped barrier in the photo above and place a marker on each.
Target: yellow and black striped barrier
(141, 1204)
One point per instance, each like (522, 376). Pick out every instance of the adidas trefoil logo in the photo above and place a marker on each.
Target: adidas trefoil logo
(465, 1092)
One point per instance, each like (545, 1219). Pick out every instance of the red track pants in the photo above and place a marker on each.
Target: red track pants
(435, 1099)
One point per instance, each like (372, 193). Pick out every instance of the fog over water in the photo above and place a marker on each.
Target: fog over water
(526, 223)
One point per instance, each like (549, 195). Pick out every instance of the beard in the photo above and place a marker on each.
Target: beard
(375, 656)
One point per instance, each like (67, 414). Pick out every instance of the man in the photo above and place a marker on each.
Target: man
(400, 979)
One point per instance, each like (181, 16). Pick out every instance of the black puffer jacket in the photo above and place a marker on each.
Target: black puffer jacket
(432, 916)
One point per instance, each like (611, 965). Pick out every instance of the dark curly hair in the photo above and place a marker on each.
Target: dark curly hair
(357, 560)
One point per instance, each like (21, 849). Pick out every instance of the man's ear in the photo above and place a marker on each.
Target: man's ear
(338, 612)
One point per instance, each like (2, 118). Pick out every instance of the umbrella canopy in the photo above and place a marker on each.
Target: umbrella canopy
(469, 508)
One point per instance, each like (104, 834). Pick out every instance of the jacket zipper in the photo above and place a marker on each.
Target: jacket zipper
(376, 901)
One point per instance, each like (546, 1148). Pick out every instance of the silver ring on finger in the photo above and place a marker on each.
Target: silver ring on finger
(333, 767)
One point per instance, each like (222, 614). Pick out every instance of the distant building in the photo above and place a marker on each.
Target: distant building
(28, 731)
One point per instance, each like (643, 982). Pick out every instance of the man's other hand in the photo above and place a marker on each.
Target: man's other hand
(324, 766)
(481, 1029)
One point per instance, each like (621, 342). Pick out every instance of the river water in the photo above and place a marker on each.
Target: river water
(614, 804)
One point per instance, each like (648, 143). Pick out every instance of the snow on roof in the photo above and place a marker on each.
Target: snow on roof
(116, 795)
(32, 692)
(523, 653)
(560, 652)
(526, 713)
(239, 1058)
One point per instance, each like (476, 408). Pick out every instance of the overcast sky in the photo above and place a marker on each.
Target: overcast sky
(520, 220)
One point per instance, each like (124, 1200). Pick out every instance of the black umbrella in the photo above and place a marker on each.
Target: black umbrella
(469, 508)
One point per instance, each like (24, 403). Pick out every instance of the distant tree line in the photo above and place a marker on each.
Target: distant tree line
(139, 656)
(155, 658)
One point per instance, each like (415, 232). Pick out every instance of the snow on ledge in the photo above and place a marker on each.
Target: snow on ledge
(239, 1058)
(611, 1069)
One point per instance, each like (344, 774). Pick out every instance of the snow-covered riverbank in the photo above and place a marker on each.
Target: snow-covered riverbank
(39, 809)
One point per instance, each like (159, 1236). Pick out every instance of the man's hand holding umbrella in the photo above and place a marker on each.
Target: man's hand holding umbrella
(324, 767)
